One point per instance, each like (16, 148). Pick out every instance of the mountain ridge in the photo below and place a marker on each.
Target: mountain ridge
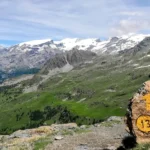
(34, 54)
(83, 43)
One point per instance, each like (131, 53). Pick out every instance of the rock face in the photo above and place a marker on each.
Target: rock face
(25, 58)
(141, 47)
(72, 58)
(138, 115)
(34, 54)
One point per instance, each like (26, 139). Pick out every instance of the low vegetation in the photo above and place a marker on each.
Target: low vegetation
(142, 147)
(86, 95)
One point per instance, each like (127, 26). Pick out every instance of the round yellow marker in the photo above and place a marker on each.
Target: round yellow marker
(143, 123)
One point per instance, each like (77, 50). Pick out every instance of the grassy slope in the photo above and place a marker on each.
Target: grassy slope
(103, 88)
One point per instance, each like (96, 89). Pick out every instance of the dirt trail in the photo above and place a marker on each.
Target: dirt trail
(97, 138)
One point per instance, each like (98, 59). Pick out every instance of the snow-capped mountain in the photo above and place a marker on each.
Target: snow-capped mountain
(35, 42)
(112, 45)
(116, 44)
(34, 54)
(36, 45)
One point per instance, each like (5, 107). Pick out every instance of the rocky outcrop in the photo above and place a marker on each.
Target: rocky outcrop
(138, 114)
(34, 54)
(142, 47)
(106, 135)
(76, 57)
(72, 58)
(58, 63)
(22, 139)
(25, 139)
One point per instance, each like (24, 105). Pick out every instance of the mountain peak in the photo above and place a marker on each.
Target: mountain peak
(135, 37)
(35, 42)
(82, 44)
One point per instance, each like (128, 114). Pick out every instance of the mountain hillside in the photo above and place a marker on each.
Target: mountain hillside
(89, 93)
(73, 58)
(33, 55)
(75, 86)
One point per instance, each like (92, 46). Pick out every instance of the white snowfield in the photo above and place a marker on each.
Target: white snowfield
(112, 45)
(122, 43)
(35, 42)
(75, 42)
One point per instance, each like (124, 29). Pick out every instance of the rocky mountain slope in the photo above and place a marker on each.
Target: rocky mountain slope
(112, 45)
(32, 55)
(60, 63)
(142, 47)
(71, 58)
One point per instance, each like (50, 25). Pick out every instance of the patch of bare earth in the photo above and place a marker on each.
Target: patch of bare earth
(103, 136)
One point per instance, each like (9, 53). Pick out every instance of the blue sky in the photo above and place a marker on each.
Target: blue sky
(24, 20)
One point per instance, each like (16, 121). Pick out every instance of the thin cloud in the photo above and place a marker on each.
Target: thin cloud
(37, 19)
(132, 13)
(129, 26)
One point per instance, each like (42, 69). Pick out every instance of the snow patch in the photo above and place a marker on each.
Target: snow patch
(143, 67)
(123, 42)
(144, 57)
(82, 44)
(134, 65)
(35, 42)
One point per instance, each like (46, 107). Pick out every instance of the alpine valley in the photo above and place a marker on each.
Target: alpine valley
(72, 80)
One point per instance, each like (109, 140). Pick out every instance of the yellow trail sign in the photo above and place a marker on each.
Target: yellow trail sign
(138, 114)
(147, 99)
(143, 123)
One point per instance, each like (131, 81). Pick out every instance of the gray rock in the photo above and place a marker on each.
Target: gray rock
(111, 148)
(58, 137)
(83, 127)
(19, 135)
(60, 127)
(114, 118)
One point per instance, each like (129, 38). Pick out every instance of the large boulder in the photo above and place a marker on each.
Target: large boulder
(138, 114)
